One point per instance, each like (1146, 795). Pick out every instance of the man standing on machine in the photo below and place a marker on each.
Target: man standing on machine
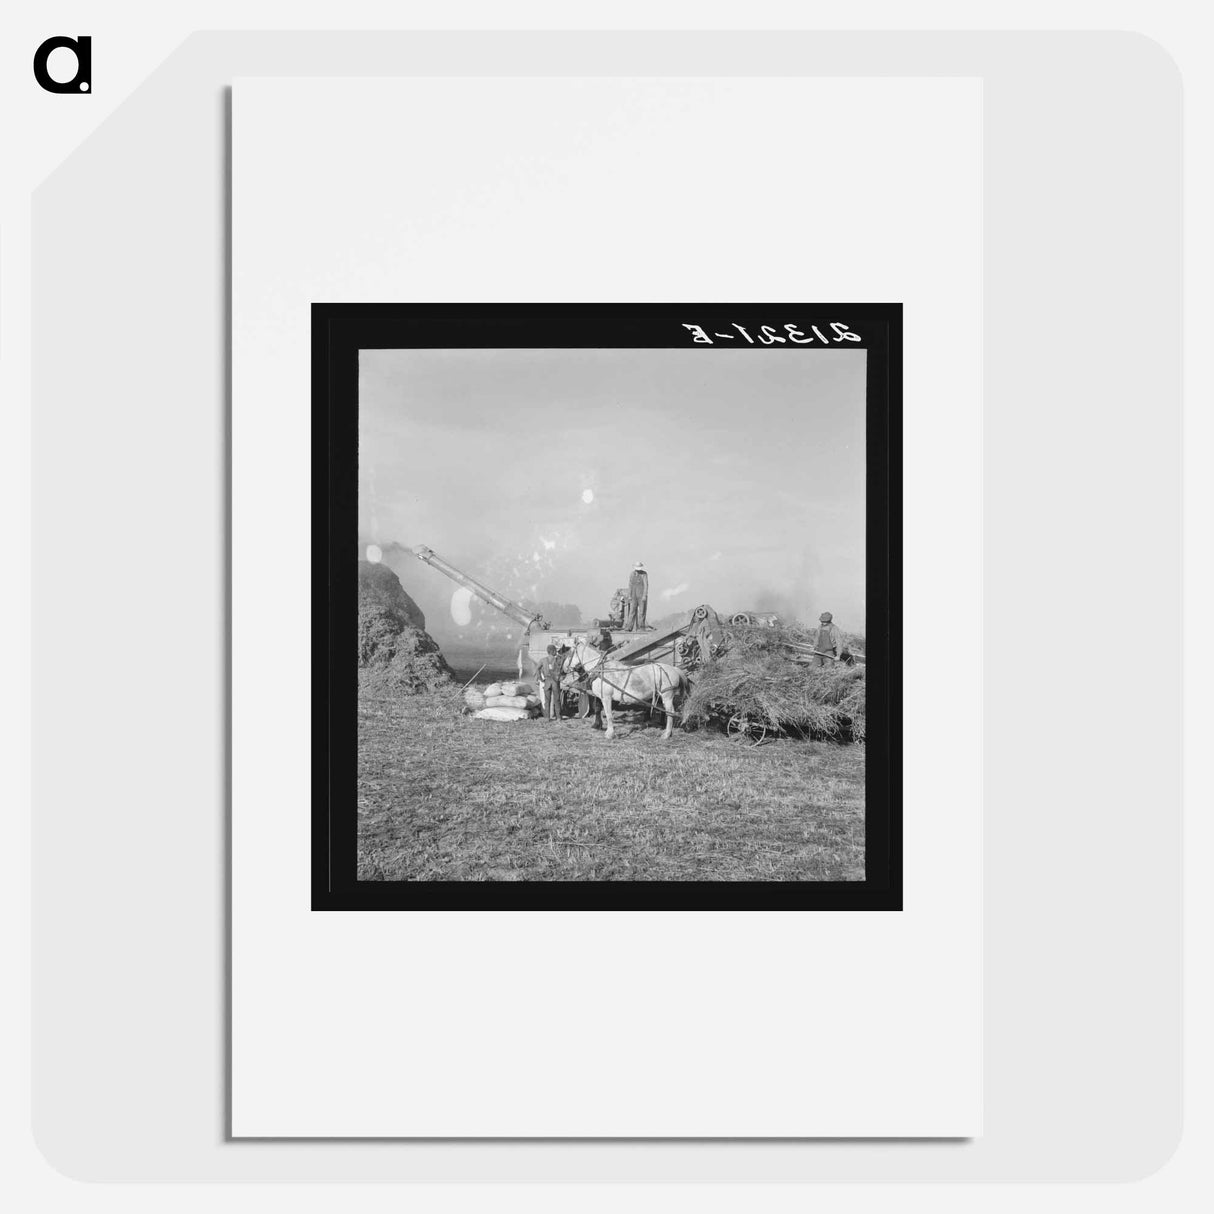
(638, 599)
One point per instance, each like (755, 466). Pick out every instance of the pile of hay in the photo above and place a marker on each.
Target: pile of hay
(395, 652)
(757, 680)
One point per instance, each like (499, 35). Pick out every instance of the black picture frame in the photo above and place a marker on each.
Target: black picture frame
(341, 330)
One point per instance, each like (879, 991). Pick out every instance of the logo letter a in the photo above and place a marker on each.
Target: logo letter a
(82, 48)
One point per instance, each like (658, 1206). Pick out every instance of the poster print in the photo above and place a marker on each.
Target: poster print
(606, 606)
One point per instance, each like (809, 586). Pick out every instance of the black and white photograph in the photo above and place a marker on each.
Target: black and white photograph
(535, 728)
(614, 615)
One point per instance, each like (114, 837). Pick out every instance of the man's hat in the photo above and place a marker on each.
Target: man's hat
(825, 617)
(638, 565)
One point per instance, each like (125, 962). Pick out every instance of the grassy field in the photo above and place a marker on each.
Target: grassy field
(445, 797)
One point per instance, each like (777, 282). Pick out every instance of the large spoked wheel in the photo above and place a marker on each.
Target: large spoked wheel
(742, 726)
(740, 619)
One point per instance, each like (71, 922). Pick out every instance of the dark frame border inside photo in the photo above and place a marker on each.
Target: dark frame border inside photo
(341, 331)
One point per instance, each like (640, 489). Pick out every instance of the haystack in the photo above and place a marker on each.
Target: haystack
(758, 680)
(394, 648)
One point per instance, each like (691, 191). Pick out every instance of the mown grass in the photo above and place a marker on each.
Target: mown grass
(442, 796)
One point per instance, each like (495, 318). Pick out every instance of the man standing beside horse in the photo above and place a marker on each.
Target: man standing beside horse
(585, 701)
(550, 671)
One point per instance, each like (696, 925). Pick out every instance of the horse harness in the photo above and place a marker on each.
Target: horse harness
(588, 676)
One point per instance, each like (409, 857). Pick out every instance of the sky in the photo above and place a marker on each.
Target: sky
(735, 475)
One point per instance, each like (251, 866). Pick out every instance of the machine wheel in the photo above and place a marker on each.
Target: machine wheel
(740, 619)
(742, 726)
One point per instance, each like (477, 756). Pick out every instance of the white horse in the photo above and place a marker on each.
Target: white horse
(616, 681)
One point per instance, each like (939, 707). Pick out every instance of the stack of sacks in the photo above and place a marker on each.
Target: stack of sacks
(509, 702)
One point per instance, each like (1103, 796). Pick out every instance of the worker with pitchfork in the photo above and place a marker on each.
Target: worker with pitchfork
(828, 644)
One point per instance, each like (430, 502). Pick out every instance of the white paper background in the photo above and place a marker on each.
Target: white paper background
(1076, 972)
(587, 1024)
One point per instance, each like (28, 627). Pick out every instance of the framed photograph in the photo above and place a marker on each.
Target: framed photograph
(606, 606)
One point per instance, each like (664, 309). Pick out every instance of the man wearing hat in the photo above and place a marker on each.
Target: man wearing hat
(638, 598)
(828, 642)
(550, 671)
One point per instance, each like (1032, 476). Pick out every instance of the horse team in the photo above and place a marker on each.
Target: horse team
(611, 683)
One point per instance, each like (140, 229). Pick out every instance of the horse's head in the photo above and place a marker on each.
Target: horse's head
(585, 657)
